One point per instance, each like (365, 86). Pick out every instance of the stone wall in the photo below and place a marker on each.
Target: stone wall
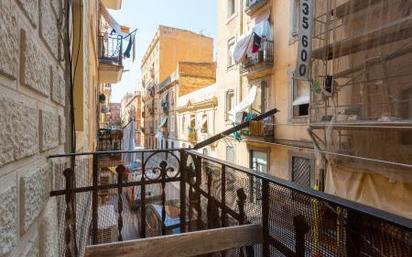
(32, 124)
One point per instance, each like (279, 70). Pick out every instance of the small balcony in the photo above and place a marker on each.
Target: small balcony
(260, 63)
(208, 206)
(252, 6)
(109, 140)
(263, 130)
(110, 58)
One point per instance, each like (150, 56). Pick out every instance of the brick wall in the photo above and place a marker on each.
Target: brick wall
(32, 124)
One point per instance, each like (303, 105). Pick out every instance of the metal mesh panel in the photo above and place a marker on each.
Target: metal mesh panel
(295, 221)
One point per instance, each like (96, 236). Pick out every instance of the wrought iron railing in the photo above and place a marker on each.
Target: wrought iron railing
(262, 129)
(263, 58)
(111, 49)
(109, 139)
(158, 192)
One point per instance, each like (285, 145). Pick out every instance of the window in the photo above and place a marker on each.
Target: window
(258, 161)
(230, 48)
(230, 154)
(229, 103)
(300, 91)
(231, 8)
(172, 144)
(192, 121)
(301, 169)
(205, 151)
(260, 105)
(183, 123)
(204, 128)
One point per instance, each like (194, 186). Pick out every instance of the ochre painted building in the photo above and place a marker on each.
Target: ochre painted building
(168, 47)
(260, 80)
(189, 77)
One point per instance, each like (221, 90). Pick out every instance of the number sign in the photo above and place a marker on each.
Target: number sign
(305, 39)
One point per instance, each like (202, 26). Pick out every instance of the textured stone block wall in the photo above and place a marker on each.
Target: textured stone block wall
(32, 124)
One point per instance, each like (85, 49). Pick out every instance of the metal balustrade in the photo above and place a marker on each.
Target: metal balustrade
(159, 192)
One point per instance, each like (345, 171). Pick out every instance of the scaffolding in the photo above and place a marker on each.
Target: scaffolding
(361, 95)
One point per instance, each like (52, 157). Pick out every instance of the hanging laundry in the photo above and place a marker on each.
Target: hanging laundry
(134, 48)
(257, 40)
(129, 47)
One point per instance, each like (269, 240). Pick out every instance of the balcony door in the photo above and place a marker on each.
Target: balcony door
(259, 161)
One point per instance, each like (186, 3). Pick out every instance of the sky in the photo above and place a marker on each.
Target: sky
(196, 15)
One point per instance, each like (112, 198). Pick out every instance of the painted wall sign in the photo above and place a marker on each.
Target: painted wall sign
(305, 40)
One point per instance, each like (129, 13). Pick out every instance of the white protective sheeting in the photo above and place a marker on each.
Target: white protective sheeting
(242, 106)
(303, 99)
(129, 144)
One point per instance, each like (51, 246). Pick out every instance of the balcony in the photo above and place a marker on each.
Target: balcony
(113, 4)
(252, 6)
(110, 58)
(208, 206)
(263, 130)
(259, 64)
(109, 140)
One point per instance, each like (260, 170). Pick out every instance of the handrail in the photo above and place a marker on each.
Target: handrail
(331, 199)
(354, 206)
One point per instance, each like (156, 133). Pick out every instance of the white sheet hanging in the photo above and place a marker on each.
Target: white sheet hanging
(242, 106)
(262, 28)
(241, 47)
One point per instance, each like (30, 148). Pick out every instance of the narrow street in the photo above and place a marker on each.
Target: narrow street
(130, 219)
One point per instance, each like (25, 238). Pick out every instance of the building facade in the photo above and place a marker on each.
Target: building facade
(255, 67)
(131, 111)
(168, 47)
(188, 77)
(115, 119)
(196, 116)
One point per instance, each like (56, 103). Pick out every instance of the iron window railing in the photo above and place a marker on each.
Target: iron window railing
(263, 57)
(110, 49)
(105, 200)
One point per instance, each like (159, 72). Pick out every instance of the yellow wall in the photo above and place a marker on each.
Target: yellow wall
(228, 78)
(85, 66)
(169, 47)
(182, 45)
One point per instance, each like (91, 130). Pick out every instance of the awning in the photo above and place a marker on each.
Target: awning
(304, 99)
(163, 122)
(246, 103)
(262, 29)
